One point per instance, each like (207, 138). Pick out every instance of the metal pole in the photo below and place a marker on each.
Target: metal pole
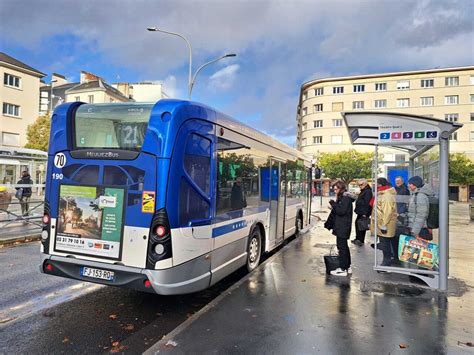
(191, 84)
(376, 169)
(443, 211)
(411, 167)
(154, 29)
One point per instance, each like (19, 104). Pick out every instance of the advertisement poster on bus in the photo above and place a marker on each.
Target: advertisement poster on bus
(90, 220)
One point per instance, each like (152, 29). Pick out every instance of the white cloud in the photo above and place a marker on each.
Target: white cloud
(224, 78)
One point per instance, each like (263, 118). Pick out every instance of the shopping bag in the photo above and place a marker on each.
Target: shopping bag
(331, 261)
(19, 193)
(418, 252)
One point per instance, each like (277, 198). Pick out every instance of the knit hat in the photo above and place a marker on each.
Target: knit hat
(416, 180)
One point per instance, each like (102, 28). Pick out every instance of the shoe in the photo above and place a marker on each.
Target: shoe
(353, 241)
(372, 245)
(349, 270)
(358, 243)
(339, 272)
(383, 272)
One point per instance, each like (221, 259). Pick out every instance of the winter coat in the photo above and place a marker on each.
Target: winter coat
(386, 213)
(418, 209)
(362, 205)
(402, 198)
(342, 212)
(25, 180)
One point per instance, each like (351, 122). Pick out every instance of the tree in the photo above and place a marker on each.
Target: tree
(38, 133)
(461, 169)
(346, 165)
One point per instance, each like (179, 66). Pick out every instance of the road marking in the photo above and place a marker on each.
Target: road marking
(37, 304)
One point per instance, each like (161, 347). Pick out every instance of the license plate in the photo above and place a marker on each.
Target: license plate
(97, 273)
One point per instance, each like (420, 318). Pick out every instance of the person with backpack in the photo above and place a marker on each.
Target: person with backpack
(419, 208)
(23, 193)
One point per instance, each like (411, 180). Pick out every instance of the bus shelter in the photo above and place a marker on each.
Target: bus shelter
(425, 142)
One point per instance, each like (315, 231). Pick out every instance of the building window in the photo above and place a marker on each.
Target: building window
(317, 139)
(451, 100)
(453, 136)
(380, 103)
(403, 85)
(472, 117)
(305, 95)
(318, 108)
(318, 91)
(305, 126)
(11, 80)
(471, 136)
(359, 88)
(451, 81)
(318, 124)
(427, 101)
(337, 106)
(337, 122)
(472, 98)
(11, 139)
(380, 86)
(338, 90)
(305, 111)
(451, 117)
(303, 142)
(357, 105)
(427, 83)
(11, 110)
(336, 139)
(472, 80)
(91, 99)
(403, 102)
(78, 98)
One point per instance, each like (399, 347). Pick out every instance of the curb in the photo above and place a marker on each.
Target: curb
(163, 343)
(20, 239)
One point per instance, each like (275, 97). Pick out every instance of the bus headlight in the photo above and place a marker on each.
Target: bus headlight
(159, 249)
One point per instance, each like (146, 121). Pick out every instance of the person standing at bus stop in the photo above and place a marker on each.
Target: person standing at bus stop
(24, 192)
(342, 212)
(418, 208)
(386, 211)
(362, 210)
(237, 196)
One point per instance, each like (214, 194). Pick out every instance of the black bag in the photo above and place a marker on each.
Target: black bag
(363, 224)
(432, 221)
(331, 261)
(329, 224)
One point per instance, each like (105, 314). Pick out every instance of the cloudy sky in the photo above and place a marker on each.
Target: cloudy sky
(279, 45)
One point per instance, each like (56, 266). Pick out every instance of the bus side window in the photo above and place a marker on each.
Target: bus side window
(197, 164)
(88, 175)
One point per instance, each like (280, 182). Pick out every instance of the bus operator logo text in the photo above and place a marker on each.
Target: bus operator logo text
(102, 155)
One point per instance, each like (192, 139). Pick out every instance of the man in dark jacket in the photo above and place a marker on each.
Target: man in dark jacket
(25, 192)
(237, 197)
(403, 196)
(362, 210)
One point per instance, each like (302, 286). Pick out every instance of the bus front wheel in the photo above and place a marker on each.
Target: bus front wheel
(254, 250)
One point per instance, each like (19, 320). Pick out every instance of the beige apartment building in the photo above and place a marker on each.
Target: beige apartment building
(446, 94)
(19, 96)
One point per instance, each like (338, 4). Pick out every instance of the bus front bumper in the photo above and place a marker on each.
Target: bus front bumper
(163, 282)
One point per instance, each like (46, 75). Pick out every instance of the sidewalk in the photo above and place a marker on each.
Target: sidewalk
(289, 305)
(20, 231)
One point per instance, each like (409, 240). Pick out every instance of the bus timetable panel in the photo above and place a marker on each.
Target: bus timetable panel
(167, 197)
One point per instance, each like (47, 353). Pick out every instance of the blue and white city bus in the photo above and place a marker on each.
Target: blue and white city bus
(167, 198)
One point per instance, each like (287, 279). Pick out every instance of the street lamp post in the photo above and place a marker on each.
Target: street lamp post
(191, 78)
(51, 98)
(204, 65)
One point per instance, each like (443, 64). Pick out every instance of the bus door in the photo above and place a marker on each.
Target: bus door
(277, 209)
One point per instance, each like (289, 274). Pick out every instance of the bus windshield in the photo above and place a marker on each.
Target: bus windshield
(111, 126)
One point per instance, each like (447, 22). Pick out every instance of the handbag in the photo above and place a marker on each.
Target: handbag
(331, 261)
(363, 224)
(19, 193)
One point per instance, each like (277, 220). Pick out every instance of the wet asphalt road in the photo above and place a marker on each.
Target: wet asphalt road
(45, 314)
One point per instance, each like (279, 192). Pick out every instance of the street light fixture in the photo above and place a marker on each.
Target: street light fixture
(204, 65)
(191, 78)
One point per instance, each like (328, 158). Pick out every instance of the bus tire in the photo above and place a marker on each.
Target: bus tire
(254, 249)
(298, 226)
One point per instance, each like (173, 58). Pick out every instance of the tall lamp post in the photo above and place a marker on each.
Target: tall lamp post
(191, 78)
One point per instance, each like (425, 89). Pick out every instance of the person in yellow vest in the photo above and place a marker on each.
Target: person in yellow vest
(386, 210)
